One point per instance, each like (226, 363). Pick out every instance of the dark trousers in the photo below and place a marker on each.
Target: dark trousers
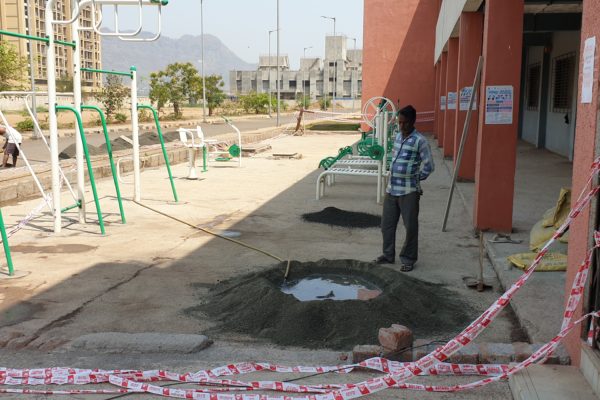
(406, 206)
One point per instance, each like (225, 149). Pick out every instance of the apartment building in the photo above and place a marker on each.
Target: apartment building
(28, 17)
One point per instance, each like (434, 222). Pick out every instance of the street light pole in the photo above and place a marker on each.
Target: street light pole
(353, 89)
(274, 30)
(202, 67)
(277, 77)
(334, 62)
(30, 44)
(303, 76)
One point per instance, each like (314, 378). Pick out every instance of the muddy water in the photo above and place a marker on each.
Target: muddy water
(331, 287)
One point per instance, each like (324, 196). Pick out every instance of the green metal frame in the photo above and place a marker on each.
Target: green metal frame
(104, 71)
(110, 156)
(11, 270)
(162, 144)
(37, 38)
(87, 160)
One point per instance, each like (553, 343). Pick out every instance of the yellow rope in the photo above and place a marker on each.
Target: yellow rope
(209, 232)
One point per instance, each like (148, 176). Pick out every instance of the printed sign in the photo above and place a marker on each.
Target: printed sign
(452, 100)
(443, 103)
(587, 86)
(499, 105)
(465, 96)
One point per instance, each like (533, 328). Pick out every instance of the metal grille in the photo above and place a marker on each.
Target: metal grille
(534, 73)
(562, 82)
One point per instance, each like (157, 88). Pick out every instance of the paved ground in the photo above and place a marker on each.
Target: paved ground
(140, 276)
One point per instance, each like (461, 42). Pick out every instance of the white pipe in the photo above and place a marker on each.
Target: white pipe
(52, 120)
(74, 16)
(77, 105)
(137, 189)
(378, 127)
(96, 26)
(36, 125)
(152, 39)
(29, 93)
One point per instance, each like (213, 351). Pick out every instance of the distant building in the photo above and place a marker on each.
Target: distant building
(316, 77)
(14, 16)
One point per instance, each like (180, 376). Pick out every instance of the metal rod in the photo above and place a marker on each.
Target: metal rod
(36, 38)
(88, 161)
(77, 95)
(135, 136)
(76, 205)
(104, 71)
(463, 140)
(202, 66)
(277, 77)
(162, 145)
(9, 262)
(31, 66)
(110, 156)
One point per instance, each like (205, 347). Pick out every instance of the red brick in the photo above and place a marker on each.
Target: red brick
(396, 337)
(364, 352)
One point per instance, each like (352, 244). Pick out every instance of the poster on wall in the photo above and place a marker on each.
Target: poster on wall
(499, 105)
(452, 100)
(465, 96)
(443, 103)
(587, 84)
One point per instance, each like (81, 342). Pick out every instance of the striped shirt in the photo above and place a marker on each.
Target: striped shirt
(411, 163)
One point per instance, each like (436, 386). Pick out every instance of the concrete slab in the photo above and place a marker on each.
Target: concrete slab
(146, 342)
(550, 382)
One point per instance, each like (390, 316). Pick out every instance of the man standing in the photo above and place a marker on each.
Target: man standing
(13, 137)
(411, 163)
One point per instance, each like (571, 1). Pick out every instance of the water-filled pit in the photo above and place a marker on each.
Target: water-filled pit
(334, 287)
(255, 305)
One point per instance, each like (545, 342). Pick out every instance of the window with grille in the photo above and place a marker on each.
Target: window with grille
(534, 73)
(562, 81)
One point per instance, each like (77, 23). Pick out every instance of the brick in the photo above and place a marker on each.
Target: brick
(495, 353)
(396, 337)
(422, 347)
(364, 352)
(521, 351)
(466, 355)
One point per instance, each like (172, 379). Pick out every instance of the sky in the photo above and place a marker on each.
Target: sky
(243, 25)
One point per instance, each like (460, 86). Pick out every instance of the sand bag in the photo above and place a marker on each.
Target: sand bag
(550, 262)
(552, 219)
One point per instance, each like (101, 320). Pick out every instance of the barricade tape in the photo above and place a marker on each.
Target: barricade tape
(396, 374)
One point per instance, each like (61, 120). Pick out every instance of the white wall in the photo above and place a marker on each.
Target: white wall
(531, 118)
(447, 25)
(560, 136)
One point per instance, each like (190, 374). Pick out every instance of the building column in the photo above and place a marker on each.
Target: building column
(497, 139)
(585, 151)
(450, 118)
(436, 103)
(469, 50)
(441, 124)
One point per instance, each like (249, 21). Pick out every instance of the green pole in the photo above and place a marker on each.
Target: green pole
(162, 144)
(204, 154)
(9, 262)
(110, 157)
(36, 38)
(88, 161)
(107, 72)
(77, 205)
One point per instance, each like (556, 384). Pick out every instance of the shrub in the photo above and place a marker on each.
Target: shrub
(325, 103)
(120, 117)
(25, 125)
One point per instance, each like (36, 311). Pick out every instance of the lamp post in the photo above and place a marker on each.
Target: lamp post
(353, 89)
(303, 76)
(202, 67)
(334, 62)
(277, 82)
(274, 30)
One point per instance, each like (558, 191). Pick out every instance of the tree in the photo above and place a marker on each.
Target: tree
(214, 95)
(257, 102)
(175, 84)
(12, 66)
(113, 95)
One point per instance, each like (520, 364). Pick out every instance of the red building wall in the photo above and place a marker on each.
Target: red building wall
(585, 143)
(399, 41)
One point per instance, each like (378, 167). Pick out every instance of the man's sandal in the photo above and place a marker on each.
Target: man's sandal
(406, 268)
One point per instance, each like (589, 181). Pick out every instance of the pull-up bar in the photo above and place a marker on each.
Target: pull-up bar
(107, 72)
(37, 38)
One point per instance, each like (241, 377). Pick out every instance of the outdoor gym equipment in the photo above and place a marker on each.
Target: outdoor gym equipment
(194, 144)
(374, 106)
(9, 262)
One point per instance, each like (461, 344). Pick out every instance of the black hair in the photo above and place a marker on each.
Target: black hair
(409, 113)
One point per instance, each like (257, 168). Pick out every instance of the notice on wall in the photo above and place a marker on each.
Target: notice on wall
(499, 105)
(452, 100)
(587, 85)
(465, 97)
(443, 103)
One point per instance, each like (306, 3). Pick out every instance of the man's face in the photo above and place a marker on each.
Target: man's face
(406, 126)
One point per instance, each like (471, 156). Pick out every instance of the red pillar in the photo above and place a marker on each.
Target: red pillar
(587, 132)
(436, 107)
(444, 64)
(450, 119)
(469, 50)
